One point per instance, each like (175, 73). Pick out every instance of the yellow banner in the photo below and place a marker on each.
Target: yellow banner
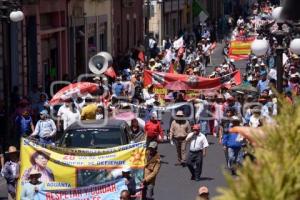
(161, 91)
(240, 52)
(61, 168)
(241, 45)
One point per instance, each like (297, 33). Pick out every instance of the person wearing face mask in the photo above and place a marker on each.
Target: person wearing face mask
(178, 131)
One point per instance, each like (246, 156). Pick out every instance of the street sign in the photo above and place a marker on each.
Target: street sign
(202, 17)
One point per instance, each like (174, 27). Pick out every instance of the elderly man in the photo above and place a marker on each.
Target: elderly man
(198, 146)
(151, 170)
(178, 132)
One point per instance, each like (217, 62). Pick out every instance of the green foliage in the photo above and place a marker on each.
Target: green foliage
(276, 173)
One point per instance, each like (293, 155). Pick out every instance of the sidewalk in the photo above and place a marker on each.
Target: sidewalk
(3, 189)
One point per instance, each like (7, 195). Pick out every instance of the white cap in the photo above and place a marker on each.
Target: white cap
(126, 169)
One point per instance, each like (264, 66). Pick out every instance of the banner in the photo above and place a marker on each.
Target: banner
(240, 48)
(160, 79)
(107, 191)
(65, 168)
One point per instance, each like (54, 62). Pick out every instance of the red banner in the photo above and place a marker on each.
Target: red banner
(161, 79)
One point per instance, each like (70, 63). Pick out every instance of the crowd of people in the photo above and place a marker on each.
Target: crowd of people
(215, 112)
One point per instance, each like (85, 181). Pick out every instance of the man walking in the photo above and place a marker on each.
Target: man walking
(234, 145)
(153, 130)
(151, 170)
(197, 151)
(178, 132)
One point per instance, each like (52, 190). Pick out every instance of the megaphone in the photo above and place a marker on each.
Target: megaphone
(99, 63)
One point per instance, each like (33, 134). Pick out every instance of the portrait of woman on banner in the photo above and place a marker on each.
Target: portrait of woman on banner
(39, 161)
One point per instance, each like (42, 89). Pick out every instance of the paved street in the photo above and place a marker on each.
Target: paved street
(3, 190)
(174, 182)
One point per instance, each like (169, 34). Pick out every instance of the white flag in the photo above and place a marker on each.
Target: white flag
(178, 43)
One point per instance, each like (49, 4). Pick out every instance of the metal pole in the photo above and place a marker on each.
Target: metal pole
(279, 67)
(279, 53)
(178, 13)
(148, 29)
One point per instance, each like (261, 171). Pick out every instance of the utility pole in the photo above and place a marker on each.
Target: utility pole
(148, 29)
(178, 15)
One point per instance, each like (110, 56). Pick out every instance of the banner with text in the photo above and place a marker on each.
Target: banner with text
(107, 191)
(82, 167)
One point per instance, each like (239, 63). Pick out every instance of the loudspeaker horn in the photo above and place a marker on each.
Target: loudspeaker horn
(99, 63)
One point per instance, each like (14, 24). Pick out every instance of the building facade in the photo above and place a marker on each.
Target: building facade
(127, 25)
(44, 42)
(89, 32)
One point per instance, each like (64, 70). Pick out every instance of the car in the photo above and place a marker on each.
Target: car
(96, 134)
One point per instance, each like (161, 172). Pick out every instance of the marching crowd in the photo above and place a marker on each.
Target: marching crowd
(252, 105)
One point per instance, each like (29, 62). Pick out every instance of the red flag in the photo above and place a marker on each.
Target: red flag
(141, 56)
(171, 68)
(111, 72)
(194, 82)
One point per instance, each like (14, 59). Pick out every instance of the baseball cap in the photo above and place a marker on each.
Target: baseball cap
(44, 112)
(203, 190)
(153, 145)
(235, 118)
(126, 170)
(179, 113)
(196, 127)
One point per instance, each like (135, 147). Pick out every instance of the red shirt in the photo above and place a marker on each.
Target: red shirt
(153, 129)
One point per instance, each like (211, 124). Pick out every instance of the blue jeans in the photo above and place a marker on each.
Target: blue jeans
(235, 157)
(45, 140)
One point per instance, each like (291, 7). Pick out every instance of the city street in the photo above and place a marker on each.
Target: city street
(174, 182)
(177, 179)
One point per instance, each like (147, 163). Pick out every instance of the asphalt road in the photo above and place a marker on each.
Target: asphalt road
(174, 182)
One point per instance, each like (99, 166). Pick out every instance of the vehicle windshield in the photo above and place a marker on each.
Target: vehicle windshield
(92, 138)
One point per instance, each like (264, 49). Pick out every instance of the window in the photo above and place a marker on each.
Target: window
(103, 37)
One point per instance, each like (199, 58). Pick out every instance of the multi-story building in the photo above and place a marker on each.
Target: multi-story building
(45, 46)
(57, 38)
(127, 25)
(168, 18)
(89, 31)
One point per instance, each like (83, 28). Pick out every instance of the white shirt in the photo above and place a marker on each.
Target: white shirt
(198, 142)
(254, 121)
(70, 117)
(62, 110)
